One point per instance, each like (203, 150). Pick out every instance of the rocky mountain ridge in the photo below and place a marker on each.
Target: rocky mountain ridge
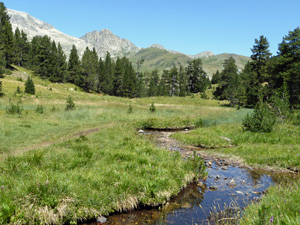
(102, 41)
(155, 56)
(105, 40)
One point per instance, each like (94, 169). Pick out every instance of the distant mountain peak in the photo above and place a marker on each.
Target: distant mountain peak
(157, 46)
(105, 41)
(33, 27)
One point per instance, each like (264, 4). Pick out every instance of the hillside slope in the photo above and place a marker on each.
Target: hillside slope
(160, 59)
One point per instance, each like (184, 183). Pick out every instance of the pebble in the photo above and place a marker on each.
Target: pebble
(213, 188)
(224, 167)
(232, 183)
(201, 185)
(101, 219)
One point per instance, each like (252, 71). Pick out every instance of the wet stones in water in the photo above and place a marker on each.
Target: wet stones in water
(232, 183)
(213, 188)
(101, 219)
(224, 167)
(201, 185)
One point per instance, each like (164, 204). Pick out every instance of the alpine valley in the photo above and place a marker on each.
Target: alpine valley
(154, 56)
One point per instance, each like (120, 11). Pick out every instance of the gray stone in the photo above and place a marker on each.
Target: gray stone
(224, 167)
(101, 219)
(232, 183)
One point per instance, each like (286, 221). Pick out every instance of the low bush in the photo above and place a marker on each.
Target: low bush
(261, 120)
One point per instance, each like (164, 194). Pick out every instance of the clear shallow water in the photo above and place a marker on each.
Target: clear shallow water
(194, 204)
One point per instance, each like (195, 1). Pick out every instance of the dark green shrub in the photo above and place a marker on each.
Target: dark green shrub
(261, 120)
(20, 79)
(53, 109)
(39, 109)
(13, 109)
(29, 86)
(70, 103)
(18, 90)
(1, 93)
(152, 108)
(199, 123)
(130, 109)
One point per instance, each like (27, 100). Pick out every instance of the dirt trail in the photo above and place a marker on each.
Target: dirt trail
(46, 144)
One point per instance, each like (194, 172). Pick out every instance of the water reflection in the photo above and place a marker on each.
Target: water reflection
(228, 186)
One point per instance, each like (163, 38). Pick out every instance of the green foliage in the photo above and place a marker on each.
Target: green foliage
(152, 108)
(261, 120)
(70, 104)
(199, 123)
(130, 109)
(280, 103)
(39, 109)
(29, 86)
(1, 93)
(18, 90)
(20, 79)
(13, 109)
(229, 80)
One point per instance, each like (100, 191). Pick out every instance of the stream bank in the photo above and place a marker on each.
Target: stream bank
(229, 186)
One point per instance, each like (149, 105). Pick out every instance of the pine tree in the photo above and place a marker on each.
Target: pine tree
(6, 38)
(107, 76)
(229, 81)
(215, 77)
(197, 78)
(129, 80)
(153, 85)
(288, 65)
(182, 82)
(118, 77)
(29, 86)
(1, 93)
(89, 64)
(21, 47)
(164, 84)
(74, 72)
(174, 83)
(260, 56)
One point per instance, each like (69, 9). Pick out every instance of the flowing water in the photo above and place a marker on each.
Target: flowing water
(228, 188)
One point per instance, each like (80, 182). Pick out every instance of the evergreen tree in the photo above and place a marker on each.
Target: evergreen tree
(289, 65)
(89, 65)
(6, 38)
(182, 82)
(197, 78)
(164, 84)
(74, 68)
(129, 80)
(1, 93)
(229, 81)
(215, 77)
(29, 86)
(118, 77)
(140, 85)
(257, 71)
(154, 84)
(21, 47)
(40, 54)
(107, 76)
(174, 82)
(260, 56)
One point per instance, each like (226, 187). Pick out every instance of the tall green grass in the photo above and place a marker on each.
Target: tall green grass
(112, 170)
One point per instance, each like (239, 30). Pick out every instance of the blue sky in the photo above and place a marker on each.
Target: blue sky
(188, 26)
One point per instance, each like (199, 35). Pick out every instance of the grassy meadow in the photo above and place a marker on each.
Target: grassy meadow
(52, 172)
(63, 166)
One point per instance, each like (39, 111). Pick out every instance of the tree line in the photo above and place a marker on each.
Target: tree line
(114, 77)
(274, 79)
